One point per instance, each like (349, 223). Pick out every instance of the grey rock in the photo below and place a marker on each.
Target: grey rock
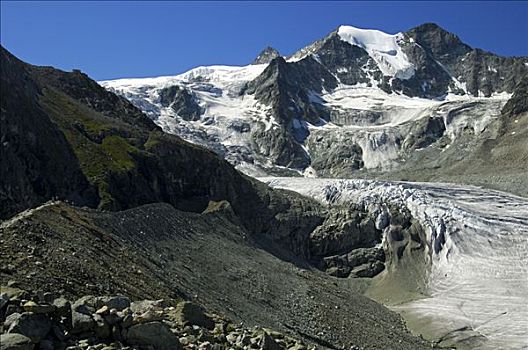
(62, 307)
(15, 341)
(266, 56)
(33, 326)
(102, 329)
(382, 220)
(31, 306)
(268, 343)
(190, 313)
(369, 269)
(181, 101)
(142, 306)
(82, 323)
(85, 305)
(155, 334)
(115, 302)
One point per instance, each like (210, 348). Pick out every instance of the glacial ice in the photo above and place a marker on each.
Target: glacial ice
(479, 276)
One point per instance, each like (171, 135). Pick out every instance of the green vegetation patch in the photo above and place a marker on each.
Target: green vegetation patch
(97, 160)
(119, 150)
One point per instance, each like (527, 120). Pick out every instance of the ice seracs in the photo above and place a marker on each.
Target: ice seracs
(478, 240)
(382, 47)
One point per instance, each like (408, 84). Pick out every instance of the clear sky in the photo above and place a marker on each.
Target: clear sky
(135, 39)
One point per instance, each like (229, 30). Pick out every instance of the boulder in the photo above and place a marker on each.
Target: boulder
(369, 269)
(31, 306)
(142, 306)
(85, 305)
(268, 343)
(155, 334)
(116, 302)
(12, 293)
(382, 220)
(102, 329)
(33, 326)
(190, 313)
(15, 341)
(62, 307)
(82, 323)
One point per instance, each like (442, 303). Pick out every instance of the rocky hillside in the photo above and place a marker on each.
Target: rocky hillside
(355, 103)
(116, 322)
(96, 149)
(158, 252)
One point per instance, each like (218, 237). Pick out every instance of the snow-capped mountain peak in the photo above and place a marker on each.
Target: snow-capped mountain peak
(382, 47)
(355, 101)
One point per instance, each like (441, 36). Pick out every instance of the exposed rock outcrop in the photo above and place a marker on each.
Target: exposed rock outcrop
(266, 56)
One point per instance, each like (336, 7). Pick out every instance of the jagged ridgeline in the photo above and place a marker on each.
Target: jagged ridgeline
(356, 103)
(148, 215)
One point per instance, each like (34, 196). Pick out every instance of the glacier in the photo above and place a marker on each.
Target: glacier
(478, 238)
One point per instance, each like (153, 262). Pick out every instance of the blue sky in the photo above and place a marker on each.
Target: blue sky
(135, 39)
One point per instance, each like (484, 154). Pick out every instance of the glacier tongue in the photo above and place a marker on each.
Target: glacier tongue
(479, 248)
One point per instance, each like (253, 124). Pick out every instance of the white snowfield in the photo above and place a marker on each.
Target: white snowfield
(217, 91)
(382, 47)
(229, 117)
(479, 276)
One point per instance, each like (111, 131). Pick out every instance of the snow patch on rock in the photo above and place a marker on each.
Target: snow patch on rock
(382, 47)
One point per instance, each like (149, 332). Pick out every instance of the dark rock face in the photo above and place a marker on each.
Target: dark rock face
(289, 90)
(518, 103)
(37, 163)
(330, 155)
(350, 64)
(280, 146)
(480, 70)
(439, 42)
(181, 101)
(424, 133)
(430, 79)
(287, 87)
(266, 56)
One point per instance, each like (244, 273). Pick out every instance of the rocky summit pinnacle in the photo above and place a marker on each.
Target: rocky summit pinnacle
(266, 56)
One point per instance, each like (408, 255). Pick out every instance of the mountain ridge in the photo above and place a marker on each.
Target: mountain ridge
(329, 109)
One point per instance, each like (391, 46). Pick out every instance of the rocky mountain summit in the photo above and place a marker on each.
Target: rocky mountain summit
(356, 103)
(266, 56)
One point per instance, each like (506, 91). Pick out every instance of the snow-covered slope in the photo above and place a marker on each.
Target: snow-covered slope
(357, 99)
(382, 47)
(478, 241)
(225, 122)
(229, 118)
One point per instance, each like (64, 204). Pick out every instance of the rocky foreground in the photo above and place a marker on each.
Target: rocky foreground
(46, 321)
